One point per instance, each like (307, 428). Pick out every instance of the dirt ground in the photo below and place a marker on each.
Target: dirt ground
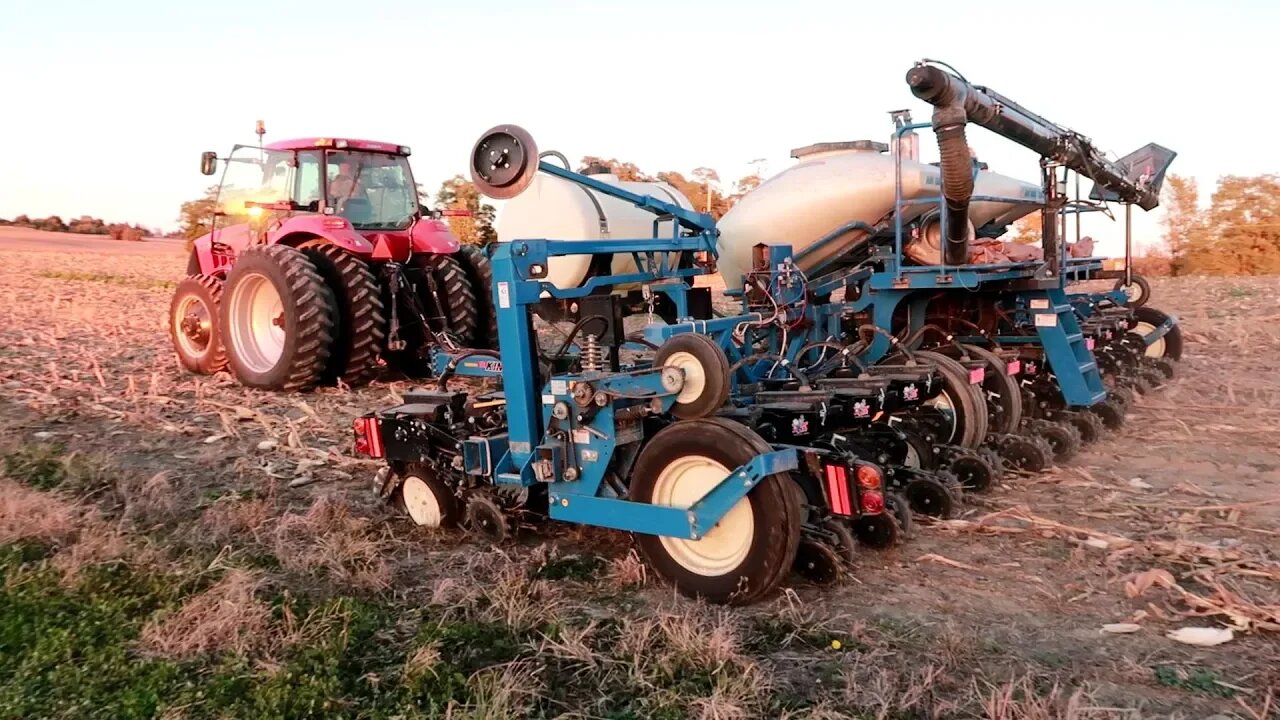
(1174, 522)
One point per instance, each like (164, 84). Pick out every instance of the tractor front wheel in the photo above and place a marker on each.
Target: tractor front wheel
(194, 324)
(278, 319)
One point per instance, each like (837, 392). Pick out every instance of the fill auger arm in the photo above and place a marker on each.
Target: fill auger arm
(1136, 179)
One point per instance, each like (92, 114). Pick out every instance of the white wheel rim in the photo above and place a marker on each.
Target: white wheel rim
(695, 376)
(943, 404)
(192, 308)
(256, 323)
(1155, 349)
(421, 503)
(680, 484)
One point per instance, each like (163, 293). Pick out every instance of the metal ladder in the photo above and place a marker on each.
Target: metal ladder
(1065, 347)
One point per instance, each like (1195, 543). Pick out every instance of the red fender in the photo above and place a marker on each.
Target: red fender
(331, 228)
(433, 236)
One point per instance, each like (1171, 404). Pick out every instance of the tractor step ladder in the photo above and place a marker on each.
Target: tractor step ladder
(1066, 348)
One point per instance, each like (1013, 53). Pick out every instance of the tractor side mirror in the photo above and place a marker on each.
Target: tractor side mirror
(208, 162)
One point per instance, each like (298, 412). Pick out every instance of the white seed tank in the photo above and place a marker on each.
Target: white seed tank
(556, 209)
(834, 184)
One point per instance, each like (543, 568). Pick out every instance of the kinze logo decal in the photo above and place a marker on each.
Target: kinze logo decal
(493, 366)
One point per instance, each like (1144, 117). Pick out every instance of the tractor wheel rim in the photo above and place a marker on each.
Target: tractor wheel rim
(420, 502)
(1155, 349)
(695, 376)
(682, 483)
(943, 404)
(194, 325)
(256, 323)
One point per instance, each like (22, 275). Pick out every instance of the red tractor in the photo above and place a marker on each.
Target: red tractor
(322, 267)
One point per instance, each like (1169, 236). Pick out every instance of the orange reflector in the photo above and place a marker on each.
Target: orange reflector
(869, 477)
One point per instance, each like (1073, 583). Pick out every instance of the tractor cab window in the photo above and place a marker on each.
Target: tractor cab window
(309, 189)
(254, 175)
(375, 191)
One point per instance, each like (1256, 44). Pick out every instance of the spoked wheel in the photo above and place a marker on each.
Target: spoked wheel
(1088, 424)
(1147, 320)
(1064, 438)
(973, 472)
(1026, 452)
(486, 519)
(705, 371)
(1165, 367)
(817, 562)
(428, 502)
(194, 325)
(360, 323)
(931, 497)
(749, 552)
(278, 319)
(1110, 412)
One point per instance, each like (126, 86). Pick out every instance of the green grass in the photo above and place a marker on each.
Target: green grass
(108, 279)
(1197, 680)
(48, 466)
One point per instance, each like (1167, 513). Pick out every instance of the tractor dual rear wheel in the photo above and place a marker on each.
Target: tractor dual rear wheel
(753, 547)
(195, 325)
(360, 325)
(278, 319)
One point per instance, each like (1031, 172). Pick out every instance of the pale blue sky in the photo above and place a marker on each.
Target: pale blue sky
(108, 104)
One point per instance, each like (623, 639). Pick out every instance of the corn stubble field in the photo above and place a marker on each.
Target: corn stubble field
(164, 555)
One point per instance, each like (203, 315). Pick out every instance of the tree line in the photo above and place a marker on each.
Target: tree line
(83, 225)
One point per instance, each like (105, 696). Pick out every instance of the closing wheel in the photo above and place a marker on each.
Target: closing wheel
(504, 161)
(194, 325)
(843, 542)
(929, 496)
(1024, 452)
(278, 319)
(1089, 425)
(973, 472)
(428, 502)
(1110, 412)
(878, 532)
(1147, 319)
(1138, 291)
(706, 374)
(1063, 437)
(752, 548)
(1165, 366)
(897, 506)
(817, 562)
(486, 519)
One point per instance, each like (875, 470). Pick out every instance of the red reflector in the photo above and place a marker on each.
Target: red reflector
(368, 437)
(1088, 342)
(1014, 367)
(838, 490)
(362, 445)
(868, 477)
(872, 503)
(335, 223)
(977, 375)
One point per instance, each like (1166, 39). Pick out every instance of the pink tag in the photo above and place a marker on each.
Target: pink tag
(1088, 342)
(976, 375)
(1013, 368)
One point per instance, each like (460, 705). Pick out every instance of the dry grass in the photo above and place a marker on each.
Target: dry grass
(27, 514)
(329, 539)
(228, 617)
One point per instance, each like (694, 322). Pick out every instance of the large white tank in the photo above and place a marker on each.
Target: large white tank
(557, 209)
(834, 184)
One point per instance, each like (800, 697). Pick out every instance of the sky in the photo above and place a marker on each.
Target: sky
(107, 105)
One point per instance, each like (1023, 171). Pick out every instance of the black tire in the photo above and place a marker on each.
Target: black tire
(446, 503)
(480, 275)
(1172, 339)
(1000, 392)
(197, 334)
(898, 507)
(1088, 425)
(1063, 437)
(360, 330)
(1110, 412)
(775, 512)
(974, 472)
(456, 299)
(706, 369)
(1141, 285)
(968, 405)
(931, 497)
(1030, 453)
(308, 313)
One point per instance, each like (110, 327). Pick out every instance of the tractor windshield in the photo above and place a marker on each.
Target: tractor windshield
(375, 191)
(254, 175)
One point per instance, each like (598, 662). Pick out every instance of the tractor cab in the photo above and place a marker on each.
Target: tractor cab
(367, 183)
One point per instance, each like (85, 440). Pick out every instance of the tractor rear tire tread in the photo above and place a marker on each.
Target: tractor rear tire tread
(305, 296)
(360, 330)
(480, 273)
(460, 306)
